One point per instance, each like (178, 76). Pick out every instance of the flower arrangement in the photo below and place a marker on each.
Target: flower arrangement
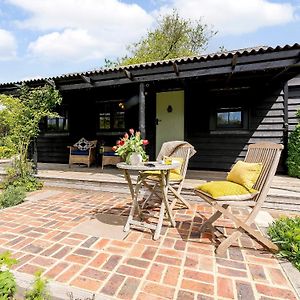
(131, 143)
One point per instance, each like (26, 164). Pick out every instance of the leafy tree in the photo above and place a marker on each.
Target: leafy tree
(20, 118)
(173, 37)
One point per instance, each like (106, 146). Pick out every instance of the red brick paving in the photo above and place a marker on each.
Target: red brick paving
(180, 265)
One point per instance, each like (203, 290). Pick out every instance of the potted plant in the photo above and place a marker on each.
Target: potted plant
(131, 147)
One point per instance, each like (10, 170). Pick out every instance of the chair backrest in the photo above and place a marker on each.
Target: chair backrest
(84, 144)
(183, 152)
(268, 154)
(177, 149)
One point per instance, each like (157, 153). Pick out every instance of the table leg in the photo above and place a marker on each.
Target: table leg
(164, 182)
(134, 196)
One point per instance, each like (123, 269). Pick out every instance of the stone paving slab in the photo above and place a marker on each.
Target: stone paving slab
(180, 265)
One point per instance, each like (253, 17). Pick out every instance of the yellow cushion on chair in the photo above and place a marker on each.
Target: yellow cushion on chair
(245, 174)
(226, 190)
(173, 176)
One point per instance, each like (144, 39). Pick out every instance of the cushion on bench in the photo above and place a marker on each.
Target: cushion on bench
(80, 152)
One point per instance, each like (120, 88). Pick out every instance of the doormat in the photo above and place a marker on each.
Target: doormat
(104, 226)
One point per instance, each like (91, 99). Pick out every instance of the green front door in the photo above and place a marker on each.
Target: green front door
(169, 117)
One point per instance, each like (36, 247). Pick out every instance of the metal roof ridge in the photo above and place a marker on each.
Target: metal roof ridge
(213, 55)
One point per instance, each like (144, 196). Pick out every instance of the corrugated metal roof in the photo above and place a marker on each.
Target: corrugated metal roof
(161, 63)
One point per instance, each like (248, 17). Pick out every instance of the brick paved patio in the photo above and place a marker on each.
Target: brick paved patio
(178, 266)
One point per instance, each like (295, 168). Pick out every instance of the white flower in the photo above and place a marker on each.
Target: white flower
(4, 268)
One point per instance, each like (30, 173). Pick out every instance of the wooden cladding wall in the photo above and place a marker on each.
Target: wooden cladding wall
(53, 148)
(218, 149)
(293, 102)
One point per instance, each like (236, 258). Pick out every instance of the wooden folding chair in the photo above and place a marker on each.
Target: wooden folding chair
(268, 154)
(182, 150)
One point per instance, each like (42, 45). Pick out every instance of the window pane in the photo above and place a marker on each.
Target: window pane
(232, 119)
(51, 124)
(235, 118)
(222, 118)
(104, 120)
(119, 120)
(61, 123)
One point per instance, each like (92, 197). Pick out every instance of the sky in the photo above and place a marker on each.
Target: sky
(45, 38)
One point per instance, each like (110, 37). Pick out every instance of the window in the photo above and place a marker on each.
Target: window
(229, 118)
(111, 115)
(60, 124)
(104, 120)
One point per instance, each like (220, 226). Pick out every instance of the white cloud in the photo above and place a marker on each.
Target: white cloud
(82, 30)
(235, 17)
(8, 45)
(70, 44)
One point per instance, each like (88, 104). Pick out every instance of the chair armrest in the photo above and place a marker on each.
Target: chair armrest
(71, 149)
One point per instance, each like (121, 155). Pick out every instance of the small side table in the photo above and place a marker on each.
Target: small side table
(164, 184)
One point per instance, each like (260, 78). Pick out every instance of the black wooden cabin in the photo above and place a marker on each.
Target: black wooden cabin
(226, 101)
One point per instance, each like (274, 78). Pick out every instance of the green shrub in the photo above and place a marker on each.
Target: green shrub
(8, 284)
(293, 160)
(39, 289)
(285, 232)
(6, 152)
(15, 178)
(11, 196)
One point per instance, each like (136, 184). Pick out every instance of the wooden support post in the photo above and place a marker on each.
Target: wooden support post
(142, 110)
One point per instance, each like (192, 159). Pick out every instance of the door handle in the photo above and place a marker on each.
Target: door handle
(157, 121)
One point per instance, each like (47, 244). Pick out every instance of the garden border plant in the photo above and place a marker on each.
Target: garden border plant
(8, 284)
(293, 160)
(19, 125)
(285, 232)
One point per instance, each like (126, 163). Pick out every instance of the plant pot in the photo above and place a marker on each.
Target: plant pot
(134, 158)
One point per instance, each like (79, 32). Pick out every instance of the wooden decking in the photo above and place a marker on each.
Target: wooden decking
(284, 193)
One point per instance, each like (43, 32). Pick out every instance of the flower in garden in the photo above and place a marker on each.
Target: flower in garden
(145, 142)
(131, 131)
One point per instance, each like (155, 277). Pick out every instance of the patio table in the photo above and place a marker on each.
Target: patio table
(164, 172)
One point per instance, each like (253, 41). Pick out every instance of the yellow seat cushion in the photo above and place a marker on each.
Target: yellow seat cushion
(227, 190)
(153, 175)
(245, 174)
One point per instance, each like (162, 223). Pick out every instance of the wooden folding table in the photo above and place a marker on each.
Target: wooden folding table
(163, 174)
